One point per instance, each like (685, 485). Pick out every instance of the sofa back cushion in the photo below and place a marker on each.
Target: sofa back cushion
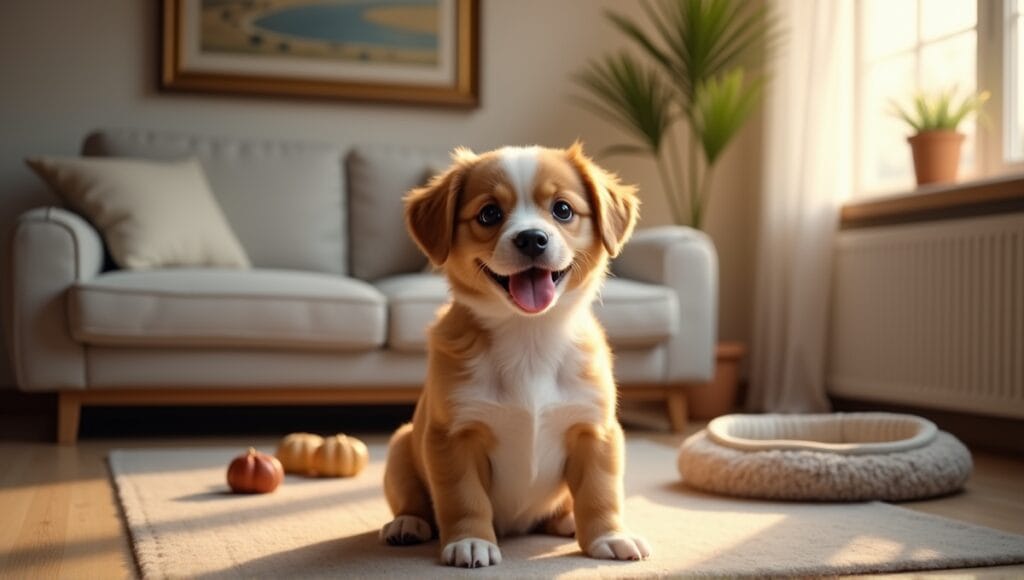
(152, 214)
(284, 200)
(378, 178)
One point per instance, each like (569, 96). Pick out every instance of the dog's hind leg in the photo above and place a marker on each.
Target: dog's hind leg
(406, 494)
(561, 522)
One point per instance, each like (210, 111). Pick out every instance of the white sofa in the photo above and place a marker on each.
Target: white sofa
(335, 306)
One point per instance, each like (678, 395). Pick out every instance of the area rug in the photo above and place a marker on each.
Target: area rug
(184, 523)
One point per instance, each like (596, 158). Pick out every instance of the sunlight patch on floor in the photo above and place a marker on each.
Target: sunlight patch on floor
(732, 528)
(880, 549)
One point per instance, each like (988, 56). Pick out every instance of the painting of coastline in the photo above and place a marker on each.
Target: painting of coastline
(409, 51)
(378, 31)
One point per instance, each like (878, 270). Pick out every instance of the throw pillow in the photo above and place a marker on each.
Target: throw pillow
(151, 214)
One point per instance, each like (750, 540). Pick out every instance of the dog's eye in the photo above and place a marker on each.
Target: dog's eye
(489, 215)
(562, 210)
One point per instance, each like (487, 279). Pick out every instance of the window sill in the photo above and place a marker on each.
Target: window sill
(936, 202)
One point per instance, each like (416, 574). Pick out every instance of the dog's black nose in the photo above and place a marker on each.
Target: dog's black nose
(531, 242)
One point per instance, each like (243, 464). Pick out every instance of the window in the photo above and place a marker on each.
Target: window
(908, 45)
(1013, 141)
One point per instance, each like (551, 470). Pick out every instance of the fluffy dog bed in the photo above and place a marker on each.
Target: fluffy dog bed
(828, 457)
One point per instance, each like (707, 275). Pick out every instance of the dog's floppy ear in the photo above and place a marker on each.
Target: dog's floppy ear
(614, 204)
(430, 211)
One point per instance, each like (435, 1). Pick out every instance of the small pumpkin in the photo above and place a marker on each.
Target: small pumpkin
(296, 452)
(340, 456)
(255, 472)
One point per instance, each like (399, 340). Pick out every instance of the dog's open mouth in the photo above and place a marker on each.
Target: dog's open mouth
(532, 290)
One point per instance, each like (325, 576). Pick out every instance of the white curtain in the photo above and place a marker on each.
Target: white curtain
(808, 173)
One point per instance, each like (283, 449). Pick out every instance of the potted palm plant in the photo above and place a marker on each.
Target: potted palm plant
(936, 142)
(696, 77)
(698, 69)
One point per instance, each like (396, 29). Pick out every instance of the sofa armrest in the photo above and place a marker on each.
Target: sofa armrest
(685, 260)
(51, 250)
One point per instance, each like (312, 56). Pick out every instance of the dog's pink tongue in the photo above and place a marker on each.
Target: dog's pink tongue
(533, 290)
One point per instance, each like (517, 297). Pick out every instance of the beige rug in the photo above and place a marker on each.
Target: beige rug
(184, 523)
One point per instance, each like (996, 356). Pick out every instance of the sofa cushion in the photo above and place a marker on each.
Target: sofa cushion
(413, 300)
(226, 308)
(284, 200)
(152, 214)
(378, 179)
(637, 315)
(633, 314)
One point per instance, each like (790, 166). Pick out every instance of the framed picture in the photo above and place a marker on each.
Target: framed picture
(408, 51)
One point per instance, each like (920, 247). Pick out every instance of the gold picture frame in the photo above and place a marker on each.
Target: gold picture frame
(260, 47)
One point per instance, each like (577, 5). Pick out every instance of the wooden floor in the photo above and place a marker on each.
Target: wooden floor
(59, 518)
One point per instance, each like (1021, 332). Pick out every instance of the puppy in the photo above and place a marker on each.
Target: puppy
(516, 430)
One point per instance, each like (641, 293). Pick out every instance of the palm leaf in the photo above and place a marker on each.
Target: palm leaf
(722, 106)
(695, 40)
(629, 94)
(751, 30)
(633, 31)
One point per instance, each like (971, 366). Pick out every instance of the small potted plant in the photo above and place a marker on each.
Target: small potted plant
(935, 144)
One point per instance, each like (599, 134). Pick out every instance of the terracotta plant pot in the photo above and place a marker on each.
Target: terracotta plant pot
(936, 155)
(719, 396)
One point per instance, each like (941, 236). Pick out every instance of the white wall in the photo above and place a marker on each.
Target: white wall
(69, 66)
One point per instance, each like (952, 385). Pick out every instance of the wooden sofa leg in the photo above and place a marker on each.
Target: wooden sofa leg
(676, 401)
(69, 410)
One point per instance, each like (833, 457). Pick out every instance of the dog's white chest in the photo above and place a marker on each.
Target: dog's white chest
(528, 402)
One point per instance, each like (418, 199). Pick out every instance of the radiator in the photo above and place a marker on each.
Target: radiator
(931, 315)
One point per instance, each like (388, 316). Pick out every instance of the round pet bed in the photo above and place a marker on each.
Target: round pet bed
(827, 457)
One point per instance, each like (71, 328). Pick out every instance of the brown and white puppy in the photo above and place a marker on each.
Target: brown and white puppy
(516, 429)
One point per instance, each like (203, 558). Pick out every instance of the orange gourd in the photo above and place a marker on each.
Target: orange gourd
(255, 472)
(296, 452)
(340, 456)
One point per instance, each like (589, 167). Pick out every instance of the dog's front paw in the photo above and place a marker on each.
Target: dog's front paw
(405, 530)
(619, 546)
(471, 553)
